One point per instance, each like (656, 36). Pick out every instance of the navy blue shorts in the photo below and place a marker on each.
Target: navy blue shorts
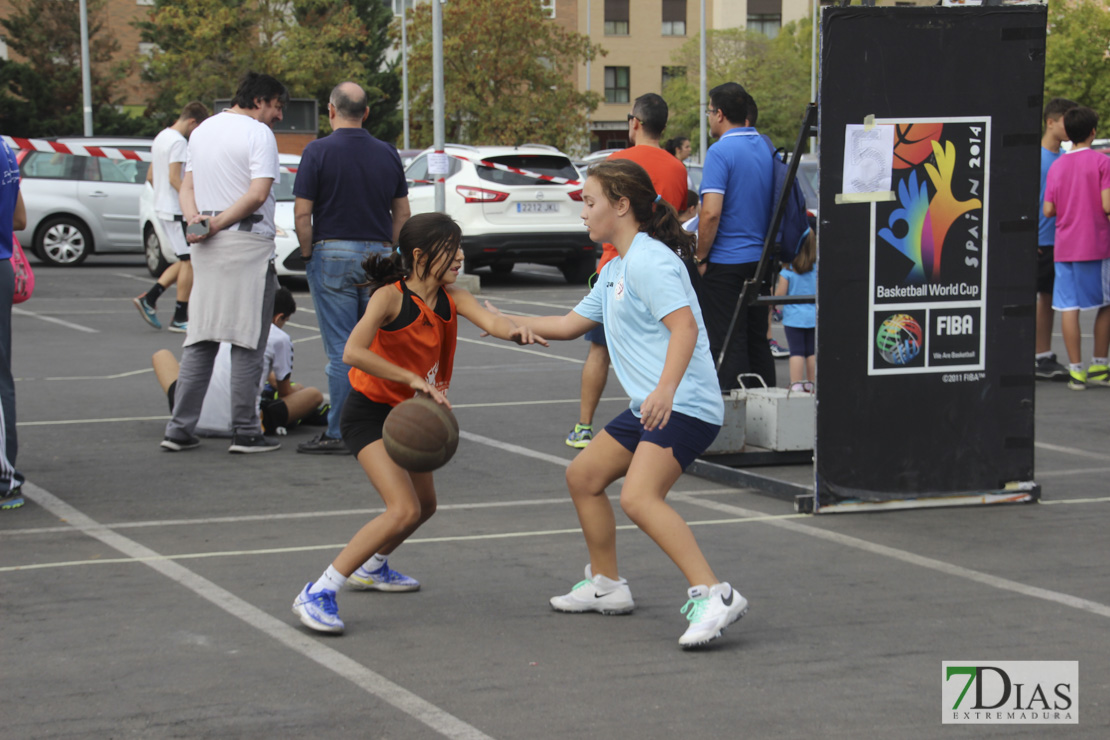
(801, 341)
(596, 335)
(685, 436)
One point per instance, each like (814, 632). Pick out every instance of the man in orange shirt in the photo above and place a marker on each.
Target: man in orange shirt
(646, 123)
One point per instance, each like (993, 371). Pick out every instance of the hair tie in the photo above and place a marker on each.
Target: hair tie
(658, 198)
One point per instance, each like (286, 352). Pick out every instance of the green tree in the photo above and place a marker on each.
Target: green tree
(775, 72)
(1077, 57)
(42, 95)
(310, 45)
(508, 75)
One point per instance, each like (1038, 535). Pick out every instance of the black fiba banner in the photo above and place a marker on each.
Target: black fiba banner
(930, 128)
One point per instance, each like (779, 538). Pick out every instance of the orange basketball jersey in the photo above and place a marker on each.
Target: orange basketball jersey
(419, 339)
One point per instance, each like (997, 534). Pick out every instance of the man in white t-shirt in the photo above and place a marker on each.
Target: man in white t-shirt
(228, 205)
(167, 164)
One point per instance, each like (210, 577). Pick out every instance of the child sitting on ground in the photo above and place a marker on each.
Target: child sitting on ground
(293, 404)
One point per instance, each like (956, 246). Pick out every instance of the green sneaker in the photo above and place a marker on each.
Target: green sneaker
(581, 436)
(1098, 375)
(1078, 380)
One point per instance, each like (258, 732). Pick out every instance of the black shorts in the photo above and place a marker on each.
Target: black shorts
(274, 414)
(1046, 269)
(362, 421)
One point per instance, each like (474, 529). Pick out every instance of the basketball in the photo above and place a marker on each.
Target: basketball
(420, 435)
(913, 143)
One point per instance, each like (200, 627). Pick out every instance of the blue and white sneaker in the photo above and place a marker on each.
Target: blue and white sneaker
(179, 327)
(147, 311)
(13, 500)
(382, 579)
(582, 435)
(318, 611)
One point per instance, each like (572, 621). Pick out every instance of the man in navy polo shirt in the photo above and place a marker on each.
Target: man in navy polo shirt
(736, 190)
(351, 201)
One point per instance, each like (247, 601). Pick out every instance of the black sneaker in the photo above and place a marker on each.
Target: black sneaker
(246, 443)
(323, 445)
(1047, 368)
(177, 445)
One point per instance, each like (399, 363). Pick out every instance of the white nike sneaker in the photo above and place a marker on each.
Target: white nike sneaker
(596, 594)
(709, 611)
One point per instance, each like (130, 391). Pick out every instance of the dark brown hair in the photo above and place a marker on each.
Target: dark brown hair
(431, 233)
(623, 178)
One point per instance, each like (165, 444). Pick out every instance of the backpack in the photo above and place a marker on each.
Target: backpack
(795, 219)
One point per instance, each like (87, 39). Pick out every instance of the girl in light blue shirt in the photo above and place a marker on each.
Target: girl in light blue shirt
(660, 352)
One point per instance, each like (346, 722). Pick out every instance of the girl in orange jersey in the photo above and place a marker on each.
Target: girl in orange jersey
(403, 346)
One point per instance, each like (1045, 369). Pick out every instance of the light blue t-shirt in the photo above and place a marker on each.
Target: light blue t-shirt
(739, 167)
(800, 315)
(1046, 230)
(631, 297)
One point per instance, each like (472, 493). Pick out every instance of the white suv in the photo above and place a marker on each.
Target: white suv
(507, 213)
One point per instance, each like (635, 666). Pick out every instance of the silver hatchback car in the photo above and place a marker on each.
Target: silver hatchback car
(78, 205)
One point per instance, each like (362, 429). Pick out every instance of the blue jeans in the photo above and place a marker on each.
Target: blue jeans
(10, 477)
(333, 272)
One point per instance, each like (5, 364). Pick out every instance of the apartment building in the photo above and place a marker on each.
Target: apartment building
(641, 36)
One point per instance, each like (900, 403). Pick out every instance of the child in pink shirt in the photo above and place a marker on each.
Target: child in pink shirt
(1077, 193)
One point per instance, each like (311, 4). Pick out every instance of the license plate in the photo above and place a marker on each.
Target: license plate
(537, 207)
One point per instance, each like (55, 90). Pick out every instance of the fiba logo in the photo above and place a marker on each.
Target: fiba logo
(899, 339)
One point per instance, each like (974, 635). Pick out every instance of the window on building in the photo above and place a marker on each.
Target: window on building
(674, 17)
(144, 2)
(616, 85)
(765, 17)
(616, 17)
(548, 8)
(672, 73)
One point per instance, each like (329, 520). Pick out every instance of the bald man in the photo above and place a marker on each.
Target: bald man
(351, 202)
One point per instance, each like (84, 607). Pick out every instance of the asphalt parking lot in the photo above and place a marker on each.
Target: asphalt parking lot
(145, 594)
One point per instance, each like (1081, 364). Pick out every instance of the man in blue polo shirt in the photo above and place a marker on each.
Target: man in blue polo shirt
(351, 201)
(736, 190)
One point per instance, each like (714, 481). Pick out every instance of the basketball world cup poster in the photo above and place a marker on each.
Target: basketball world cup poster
(929, 249)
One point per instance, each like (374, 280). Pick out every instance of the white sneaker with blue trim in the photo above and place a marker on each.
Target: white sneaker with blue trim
(318, 611)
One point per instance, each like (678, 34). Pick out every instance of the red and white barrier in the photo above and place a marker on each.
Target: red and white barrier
(526, 173)
(41, 145)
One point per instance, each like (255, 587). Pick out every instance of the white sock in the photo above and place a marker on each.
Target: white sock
(1098, 360)
(331, 580)
(1044, 355)
(375, 562)
(1076, 367)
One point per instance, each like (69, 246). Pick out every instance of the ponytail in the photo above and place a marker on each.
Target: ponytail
(383, 269)
(663, 224)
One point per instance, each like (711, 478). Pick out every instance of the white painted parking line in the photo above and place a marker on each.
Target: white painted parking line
(114, 419)
(294, 515)
(334, 546)
(940, 566)
(293, 638)
(515, 348)
(52, 320)
(1072, 451)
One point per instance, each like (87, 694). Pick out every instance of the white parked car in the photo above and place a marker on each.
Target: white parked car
(78, 205)
(507, 214)
(287, 259)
